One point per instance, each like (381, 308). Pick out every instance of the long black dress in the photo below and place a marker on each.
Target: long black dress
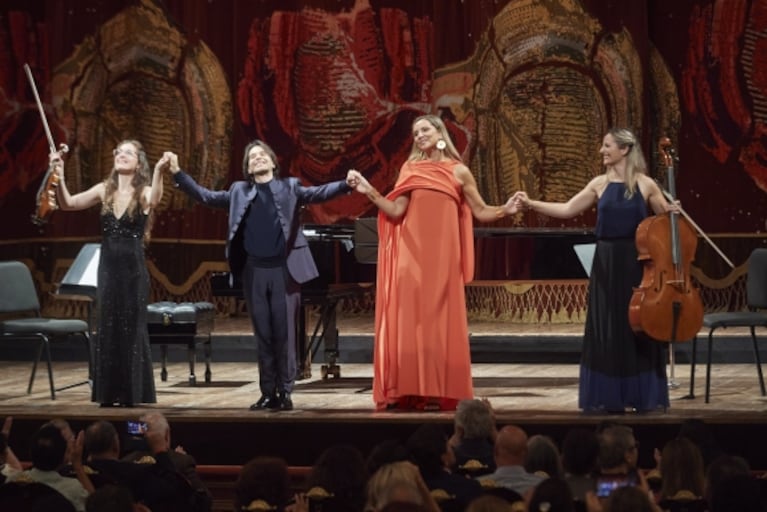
(122, 371)
(619, 369)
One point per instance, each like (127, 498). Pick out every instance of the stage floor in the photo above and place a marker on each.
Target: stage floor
(213, 421)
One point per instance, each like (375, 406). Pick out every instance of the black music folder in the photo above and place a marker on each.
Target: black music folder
(82, 276)
(366, 239)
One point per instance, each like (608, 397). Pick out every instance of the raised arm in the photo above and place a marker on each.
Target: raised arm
(577, 204)
(481, 210)
(153, 193)
(67, 201)
(393, 209)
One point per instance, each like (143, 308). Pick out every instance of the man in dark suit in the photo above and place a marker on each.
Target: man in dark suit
(268, 251)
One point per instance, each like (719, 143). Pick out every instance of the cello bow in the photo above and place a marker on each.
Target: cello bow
(698, 229)
(46, 195)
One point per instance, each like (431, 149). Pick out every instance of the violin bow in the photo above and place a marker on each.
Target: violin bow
(697, 228)
(51, 145)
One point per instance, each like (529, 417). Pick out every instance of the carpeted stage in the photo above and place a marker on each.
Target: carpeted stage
(530, 375)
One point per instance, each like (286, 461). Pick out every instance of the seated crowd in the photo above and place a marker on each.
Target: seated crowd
(474, 468)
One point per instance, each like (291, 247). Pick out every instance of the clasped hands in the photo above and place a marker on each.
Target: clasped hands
(169, 160)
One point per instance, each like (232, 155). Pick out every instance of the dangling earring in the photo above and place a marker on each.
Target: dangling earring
(441, 144)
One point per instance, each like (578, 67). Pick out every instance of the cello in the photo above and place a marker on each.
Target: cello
(666, 305)
(46, 195)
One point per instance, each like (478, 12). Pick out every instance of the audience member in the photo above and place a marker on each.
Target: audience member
(263, 482)
(618, 451)
(113, 498)
(723, 468)
(543, 457)
(48, 452)
(395, 483)
(510, 452)
(431, 453)
(623, 499)
(157, 485)
(737, 493)
(490, 503)
(552, 495)
(340, 472)
(184, 463)
(682, 476)
(580, 450)
(9, 464)
(473, 437)
(385, 452)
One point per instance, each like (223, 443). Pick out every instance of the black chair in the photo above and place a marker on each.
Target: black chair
(21, 318)
(756, 316)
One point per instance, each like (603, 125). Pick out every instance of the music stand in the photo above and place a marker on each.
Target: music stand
(81, 283)
(366, 239)
(585, 253)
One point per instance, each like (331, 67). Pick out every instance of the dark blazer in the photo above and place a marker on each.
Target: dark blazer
(289, 195)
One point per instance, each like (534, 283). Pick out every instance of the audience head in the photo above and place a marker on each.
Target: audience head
(489, 503)
(543, 457)
(473, 419)
(552, 495)
(737, 493)
(681, 468)
(398, 482)
(48, 448)
(385, 452)
(101, 439)
(723, 468)
(510, 446)
(428, 449)
(618, 449)
(630, 499)
(580, 450)
(110, 498)
(340, 470)
(265, 479)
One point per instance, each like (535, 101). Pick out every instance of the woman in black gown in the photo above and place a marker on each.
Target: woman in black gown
(619, 370)
(122, 373)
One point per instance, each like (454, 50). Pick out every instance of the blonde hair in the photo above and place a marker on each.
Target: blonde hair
(398, 481)
(439, 124)
(635, 162)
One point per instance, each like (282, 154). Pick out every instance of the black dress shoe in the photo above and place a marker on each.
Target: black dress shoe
(286, 404)
(265, 402)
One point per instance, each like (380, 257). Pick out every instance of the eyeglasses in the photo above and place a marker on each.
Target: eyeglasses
(127, 152)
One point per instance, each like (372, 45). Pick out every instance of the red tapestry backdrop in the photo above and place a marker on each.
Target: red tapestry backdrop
(528, 88)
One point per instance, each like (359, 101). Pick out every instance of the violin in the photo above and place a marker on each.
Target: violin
(46, 195)
(666, 305)
(46, 202)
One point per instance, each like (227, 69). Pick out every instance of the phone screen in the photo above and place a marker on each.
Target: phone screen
(606, 484)
(136, 428)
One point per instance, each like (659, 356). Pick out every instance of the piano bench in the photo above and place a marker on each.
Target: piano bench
(187, 323)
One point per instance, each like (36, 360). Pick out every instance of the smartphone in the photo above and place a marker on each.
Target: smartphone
(136, 428)
(606, 484)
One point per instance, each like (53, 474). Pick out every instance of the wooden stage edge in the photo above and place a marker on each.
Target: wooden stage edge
(212, 421)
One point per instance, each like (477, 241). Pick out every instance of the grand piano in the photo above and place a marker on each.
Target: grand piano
(346, 257)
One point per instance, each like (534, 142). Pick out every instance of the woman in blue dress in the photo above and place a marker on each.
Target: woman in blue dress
(620, 370)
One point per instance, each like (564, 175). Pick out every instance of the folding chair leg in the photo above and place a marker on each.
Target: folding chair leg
(708, 366)
(692, 367)
(34, 366)
(50, 368)
(758, 360)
